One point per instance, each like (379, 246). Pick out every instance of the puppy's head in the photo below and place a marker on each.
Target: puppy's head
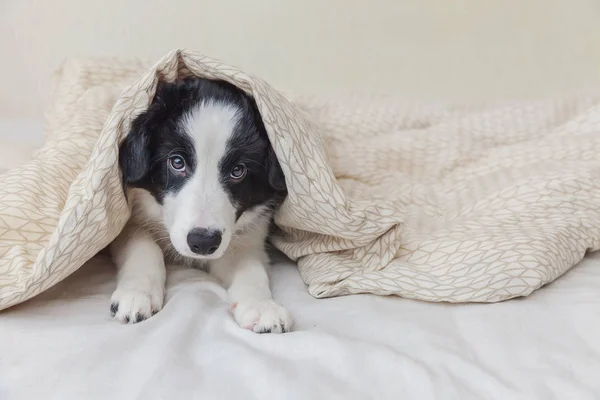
(202, 152)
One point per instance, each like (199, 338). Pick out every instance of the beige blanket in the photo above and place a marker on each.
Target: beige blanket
(458, 204)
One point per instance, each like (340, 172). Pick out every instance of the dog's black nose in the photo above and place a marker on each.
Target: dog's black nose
(204, 242)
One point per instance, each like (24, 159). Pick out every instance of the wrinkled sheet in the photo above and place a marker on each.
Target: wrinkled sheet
(64, 345)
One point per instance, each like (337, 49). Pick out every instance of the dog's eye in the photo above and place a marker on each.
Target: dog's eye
(238, 172)
(177, 163)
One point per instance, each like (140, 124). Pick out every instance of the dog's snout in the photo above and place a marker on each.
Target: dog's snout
(203, 241)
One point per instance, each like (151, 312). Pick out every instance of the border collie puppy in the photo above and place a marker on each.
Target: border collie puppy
(204, 183)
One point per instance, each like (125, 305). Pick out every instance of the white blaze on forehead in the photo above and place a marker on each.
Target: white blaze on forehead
(210, 125)
(203, 201)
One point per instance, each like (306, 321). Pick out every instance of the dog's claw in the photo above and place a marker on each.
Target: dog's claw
(114, 308)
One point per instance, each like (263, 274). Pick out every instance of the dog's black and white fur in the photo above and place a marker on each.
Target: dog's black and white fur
(204, 182)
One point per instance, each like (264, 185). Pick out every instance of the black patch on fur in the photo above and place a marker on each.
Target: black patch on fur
(139, 317)
(114, 308)
(249, 144)
(158, 133)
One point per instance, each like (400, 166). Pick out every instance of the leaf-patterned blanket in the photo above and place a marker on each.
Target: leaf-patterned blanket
(431, 202)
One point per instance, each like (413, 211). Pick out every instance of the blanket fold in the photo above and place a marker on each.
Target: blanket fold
(437, 203)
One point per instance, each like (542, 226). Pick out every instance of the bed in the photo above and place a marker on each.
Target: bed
(64, 345)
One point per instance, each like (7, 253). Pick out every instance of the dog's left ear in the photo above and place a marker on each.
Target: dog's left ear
(276, 176)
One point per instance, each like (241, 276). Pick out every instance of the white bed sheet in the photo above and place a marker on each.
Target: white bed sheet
(64, 345)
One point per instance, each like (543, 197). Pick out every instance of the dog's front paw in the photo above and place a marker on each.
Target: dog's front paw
(136, 304)
(262, 316)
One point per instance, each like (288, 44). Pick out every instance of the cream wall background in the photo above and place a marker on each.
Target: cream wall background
(423, 49)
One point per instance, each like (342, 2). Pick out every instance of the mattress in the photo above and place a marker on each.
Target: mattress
(63, 344)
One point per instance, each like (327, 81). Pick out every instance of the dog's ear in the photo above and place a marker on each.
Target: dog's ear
(134, 154)
(276, 176)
